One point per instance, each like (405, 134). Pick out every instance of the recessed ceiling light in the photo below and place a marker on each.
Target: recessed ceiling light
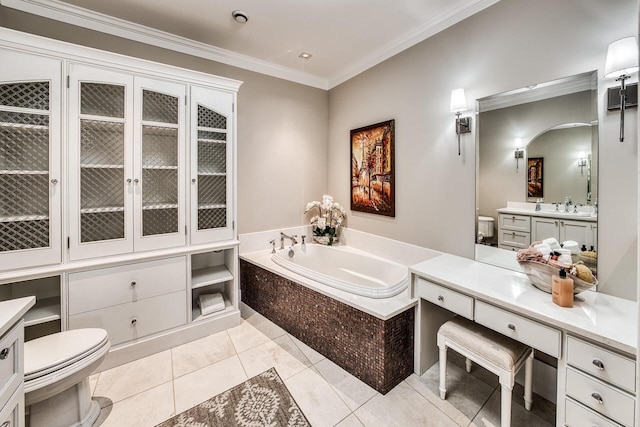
(240, 16)
(305, 55)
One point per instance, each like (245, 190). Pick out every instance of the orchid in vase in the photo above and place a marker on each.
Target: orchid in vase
(329, 220)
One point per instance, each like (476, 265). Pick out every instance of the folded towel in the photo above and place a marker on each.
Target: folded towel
(210, 303)
(544, 249)
(572, 245)
(551, 241)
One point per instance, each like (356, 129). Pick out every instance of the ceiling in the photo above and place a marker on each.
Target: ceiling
(345, 37)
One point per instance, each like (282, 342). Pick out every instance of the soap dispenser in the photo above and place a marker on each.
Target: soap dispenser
(562, 289)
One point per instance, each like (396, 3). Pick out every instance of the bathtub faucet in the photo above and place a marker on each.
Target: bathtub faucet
(284, 236)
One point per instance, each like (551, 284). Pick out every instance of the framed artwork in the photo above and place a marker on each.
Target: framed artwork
(372, 169)
(535, 186)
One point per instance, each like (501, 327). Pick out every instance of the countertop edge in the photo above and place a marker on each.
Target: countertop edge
(11, 311)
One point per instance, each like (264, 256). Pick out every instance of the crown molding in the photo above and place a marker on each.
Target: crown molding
(431, 27)
(74, 15)
(81, 17)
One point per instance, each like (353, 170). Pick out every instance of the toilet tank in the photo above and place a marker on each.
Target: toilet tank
(485, 225)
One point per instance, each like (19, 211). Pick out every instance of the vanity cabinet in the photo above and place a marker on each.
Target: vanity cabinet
(599, 383)
(514, 231)
(30, 181)
(583, 232)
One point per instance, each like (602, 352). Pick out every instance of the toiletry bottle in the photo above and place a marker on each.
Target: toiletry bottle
(562, 289)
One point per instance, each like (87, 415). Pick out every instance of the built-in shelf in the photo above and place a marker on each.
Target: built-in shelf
(206, 129)
(160, 125)
(100, 120)
(160, 167)
(100, 166)
(213, 141)
(197, 316)
(23, 172)
(102, 210)
(158, 206)
(24, 218)
(204, 173)
(209, 276)
(213, 206)
(45, 310)
(23, 126)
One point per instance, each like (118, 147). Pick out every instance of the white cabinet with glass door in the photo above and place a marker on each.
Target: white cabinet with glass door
(126, 161)
(212, 165)
(30, 184)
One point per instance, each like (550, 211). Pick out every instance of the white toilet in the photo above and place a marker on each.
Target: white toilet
(485, 228)
(56, 377)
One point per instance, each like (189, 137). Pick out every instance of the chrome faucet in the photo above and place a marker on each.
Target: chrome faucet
(567, 202)
(284, 236)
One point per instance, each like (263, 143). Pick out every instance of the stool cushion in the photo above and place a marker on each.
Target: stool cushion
(500, 350)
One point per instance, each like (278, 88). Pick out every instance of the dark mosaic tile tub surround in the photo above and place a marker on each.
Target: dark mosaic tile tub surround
(378, 352)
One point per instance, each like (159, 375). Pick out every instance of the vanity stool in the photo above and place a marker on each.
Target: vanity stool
(497, 353)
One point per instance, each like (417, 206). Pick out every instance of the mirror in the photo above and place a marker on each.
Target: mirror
(537, 144)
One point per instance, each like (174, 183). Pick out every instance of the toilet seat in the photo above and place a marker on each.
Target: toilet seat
(56, 352)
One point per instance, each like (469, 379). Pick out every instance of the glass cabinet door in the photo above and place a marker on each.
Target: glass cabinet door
(212, 160)
(102, 183)
(30, 99)
(160, 136)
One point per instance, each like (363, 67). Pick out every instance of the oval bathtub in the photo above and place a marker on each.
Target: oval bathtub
(346, 270)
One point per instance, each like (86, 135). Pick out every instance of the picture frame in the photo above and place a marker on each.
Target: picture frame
(373, 169)
(535, 183)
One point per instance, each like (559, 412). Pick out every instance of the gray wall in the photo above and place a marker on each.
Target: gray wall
(282, 126)
(512, 44)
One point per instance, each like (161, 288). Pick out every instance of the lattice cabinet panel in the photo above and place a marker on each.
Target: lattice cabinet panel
(212, 165)
(29, 159)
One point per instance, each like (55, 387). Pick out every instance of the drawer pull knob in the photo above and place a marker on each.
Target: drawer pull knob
(598, 364)
(4, 354)
(134, 321)
(133, 283)
(597, 397)
(440, 298)
(511, 326)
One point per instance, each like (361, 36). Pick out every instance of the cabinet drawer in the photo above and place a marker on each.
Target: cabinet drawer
(515, 222)
(600, 397)
(526, 331)
(602, 363)
(577, 415)
(517, 239)
(446, 298)
(12, 364)
(105, 287)
(12, 413)
(126, 322)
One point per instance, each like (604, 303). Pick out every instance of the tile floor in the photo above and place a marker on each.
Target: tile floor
(150, 390)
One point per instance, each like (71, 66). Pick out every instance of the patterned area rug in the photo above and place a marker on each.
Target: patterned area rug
(260, 401)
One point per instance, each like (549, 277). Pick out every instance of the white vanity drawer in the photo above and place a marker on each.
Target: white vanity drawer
(12, 414)
(600, 397)
(602, 363)
(446, 298)
(515, 222)
(95, 289)
(126, 322)
(526, 331)
(577, 415)
(516, 239)
(12, 361)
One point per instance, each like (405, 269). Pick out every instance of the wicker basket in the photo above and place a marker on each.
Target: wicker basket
(540, 275)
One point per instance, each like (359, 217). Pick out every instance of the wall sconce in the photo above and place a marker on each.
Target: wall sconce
(622, 60)
(518, 151)
(582, 161)
(459, 104)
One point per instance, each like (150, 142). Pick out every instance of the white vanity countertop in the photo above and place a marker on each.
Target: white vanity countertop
(12, 311)
(602, 318)
(549, 214)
